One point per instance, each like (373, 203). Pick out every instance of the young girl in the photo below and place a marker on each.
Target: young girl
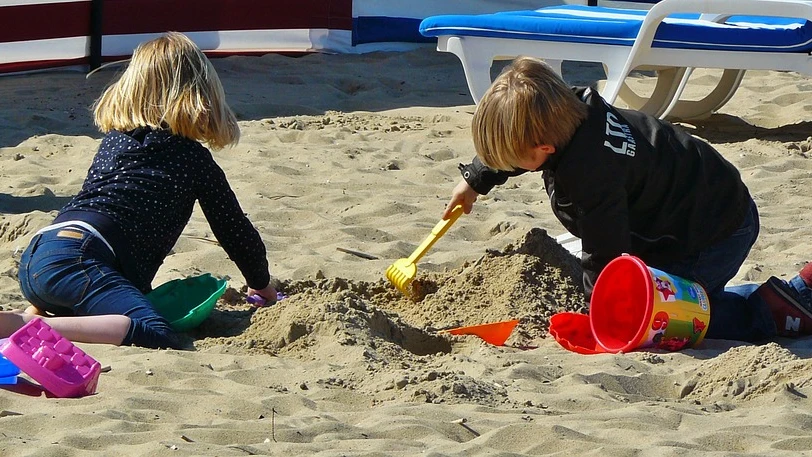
(89, 270)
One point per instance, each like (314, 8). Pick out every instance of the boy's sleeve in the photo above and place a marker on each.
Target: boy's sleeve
(482, 179)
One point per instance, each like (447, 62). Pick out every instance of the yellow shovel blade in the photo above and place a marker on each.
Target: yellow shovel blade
(403, 271)
(401, 274)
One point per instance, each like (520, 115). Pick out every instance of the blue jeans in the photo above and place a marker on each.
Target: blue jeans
(732, 315)
(70, 272)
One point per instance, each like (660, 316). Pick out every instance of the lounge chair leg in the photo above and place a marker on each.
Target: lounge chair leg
(615, 80)
(677, 93)
(667, 83)
(718, 97)
(477, 66)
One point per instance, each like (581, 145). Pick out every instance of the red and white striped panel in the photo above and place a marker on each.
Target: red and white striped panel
(48, 33)
(39, 34)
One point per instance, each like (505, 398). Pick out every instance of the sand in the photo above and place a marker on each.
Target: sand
(360, 152)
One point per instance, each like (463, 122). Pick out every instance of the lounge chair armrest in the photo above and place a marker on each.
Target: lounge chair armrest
(774, 8)
(714, 9)
(718, 18)
(719, 9)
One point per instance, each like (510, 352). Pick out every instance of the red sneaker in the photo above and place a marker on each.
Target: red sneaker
(791, 317)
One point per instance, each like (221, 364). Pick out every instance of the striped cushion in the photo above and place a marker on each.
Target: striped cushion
(615, 26)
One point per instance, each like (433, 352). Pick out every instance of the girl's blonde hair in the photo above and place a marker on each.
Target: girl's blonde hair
(169, 84)
(528, 105)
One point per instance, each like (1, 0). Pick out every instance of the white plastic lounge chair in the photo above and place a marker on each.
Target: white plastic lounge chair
(673, 37)
(571, 243)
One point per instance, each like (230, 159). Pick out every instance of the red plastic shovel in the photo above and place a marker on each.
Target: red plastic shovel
(496, 333)
(573, 332)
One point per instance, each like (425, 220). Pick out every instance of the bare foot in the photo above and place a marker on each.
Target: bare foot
(34, 310)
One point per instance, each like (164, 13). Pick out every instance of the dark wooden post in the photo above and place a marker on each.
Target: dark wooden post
(96, 32)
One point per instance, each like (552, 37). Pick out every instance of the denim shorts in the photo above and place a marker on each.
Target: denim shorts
(69, 271)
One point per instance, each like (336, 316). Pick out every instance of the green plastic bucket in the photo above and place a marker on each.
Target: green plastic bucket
(187, 302)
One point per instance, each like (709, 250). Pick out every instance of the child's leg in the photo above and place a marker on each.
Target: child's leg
(110, 329)
(11, 321)
(34, 310)
(802, 283)
(733, 316)
(71, 272)
(111, 293)
(790, 302)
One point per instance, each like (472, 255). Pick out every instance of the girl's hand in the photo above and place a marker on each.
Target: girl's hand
(464, 195)
(268, 293)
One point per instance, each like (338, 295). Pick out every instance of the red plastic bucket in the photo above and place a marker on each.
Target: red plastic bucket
(635, 306)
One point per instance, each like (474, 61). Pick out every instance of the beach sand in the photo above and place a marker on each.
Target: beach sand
(360, 152)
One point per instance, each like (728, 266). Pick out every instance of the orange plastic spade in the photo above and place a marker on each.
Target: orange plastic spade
(496, 333)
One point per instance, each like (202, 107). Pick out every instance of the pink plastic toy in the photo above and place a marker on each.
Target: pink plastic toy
(53, 361)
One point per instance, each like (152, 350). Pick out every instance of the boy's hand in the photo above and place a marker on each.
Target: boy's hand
(463, 195)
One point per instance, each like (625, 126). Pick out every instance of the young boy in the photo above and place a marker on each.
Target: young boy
(626, 182)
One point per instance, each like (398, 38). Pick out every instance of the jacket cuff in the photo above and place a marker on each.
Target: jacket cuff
(473, 177)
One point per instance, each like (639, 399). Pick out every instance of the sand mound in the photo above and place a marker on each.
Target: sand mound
(392, 347)
(397, 338)
(529, 282)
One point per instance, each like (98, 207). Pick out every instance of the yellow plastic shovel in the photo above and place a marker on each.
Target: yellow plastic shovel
(403, 271)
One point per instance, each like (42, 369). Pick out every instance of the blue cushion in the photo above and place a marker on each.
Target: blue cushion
(616, 26)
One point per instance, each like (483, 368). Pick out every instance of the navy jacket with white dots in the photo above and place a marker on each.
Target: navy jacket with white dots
(140, 192)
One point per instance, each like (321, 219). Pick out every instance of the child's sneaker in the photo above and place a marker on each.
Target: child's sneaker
(792, 314)
(801, 283)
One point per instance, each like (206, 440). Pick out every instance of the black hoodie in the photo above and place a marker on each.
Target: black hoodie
(630, 183)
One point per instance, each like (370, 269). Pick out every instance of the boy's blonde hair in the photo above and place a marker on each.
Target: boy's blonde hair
(526, 106)
(169, 84)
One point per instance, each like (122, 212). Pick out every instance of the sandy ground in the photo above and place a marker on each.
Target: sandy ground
(360, 152)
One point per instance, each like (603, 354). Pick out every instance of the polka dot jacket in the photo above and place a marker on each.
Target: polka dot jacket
(140, 192)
